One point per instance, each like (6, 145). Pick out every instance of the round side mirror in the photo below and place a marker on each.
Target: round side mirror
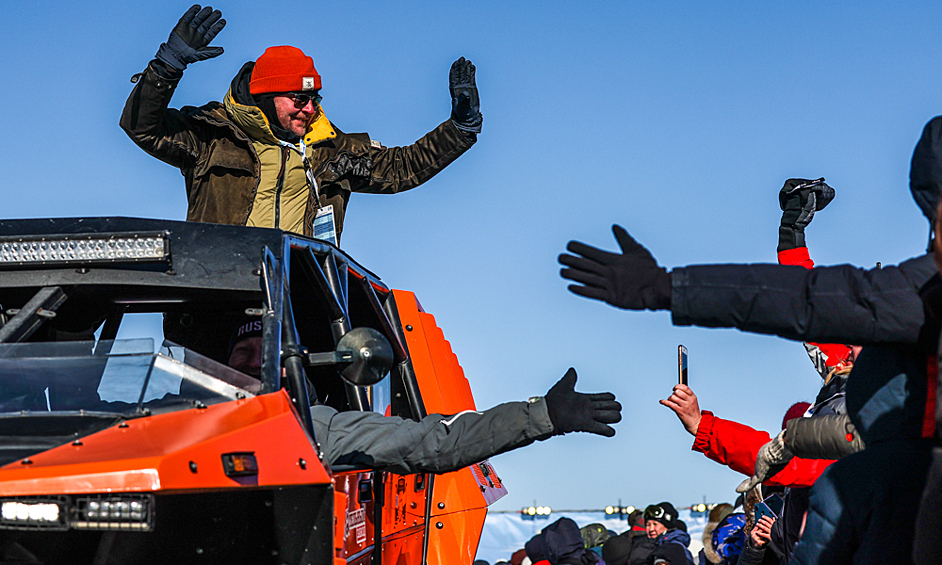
(372, 356)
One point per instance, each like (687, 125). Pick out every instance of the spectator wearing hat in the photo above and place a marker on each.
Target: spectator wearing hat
(666, 529)
(267, 155)
(560, 543)
(594, 535)
(708, 554)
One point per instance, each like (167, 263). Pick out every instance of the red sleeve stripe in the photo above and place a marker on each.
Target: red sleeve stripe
(928, 420)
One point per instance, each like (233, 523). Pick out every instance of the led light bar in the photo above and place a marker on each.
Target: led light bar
(113, 512)
(85, 249)
(27, 513)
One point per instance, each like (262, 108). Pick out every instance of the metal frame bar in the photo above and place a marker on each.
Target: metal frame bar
(272, 280)
(33, 314)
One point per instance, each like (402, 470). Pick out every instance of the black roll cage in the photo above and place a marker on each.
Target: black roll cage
(212, 263)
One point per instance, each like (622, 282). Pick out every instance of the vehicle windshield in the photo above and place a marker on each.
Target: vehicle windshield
(122, 377)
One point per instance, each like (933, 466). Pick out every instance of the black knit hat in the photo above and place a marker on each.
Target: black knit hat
(248, 327)
(617, 549)
(663, 512)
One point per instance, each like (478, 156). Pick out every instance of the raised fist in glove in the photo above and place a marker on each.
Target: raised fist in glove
(465, 104)
(572, 411)
(630, 279)
(799, 200)
(190, 37)
(772, 458)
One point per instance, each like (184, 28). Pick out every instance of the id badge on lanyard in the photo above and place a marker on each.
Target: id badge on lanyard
(323, 227)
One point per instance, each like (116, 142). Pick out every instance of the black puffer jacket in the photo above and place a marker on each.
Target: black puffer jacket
(560, 543)
(841, 304)
(863, 508)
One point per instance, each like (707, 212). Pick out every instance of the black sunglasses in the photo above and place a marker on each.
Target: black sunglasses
(302, 98)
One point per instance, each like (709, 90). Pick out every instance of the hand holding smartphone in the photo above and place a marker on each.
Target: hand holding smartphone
(771, 507)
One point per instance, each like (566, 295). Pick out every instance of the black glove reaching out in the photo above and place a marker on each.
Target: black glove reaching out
(465, 104)
(189, 39)
(572, 411)
(630, 280)
(799, 200)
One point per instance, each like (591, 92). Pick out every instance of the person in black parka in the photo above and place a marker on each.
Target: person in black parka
(560, 543)
(863, 509)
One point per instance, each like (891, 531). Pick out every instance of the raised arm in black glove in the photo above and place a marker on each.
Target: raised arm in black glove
(189, 39)
(630, 280)
(800, 199)
(572, 411)
(465, 104)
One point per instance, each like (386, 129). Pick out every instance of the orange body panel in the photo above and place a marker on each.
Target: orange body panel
(155, 453)
(456, 541)
(457, 503)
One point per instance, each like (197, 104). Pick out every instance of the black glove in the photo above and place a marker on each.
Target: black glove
(190, 37)
(799, 200)
(465, 105)
(572, 411)
(630, 280)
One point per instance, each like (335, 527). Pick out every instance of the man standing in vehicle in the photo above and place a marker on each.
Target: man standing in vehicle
(267, 156)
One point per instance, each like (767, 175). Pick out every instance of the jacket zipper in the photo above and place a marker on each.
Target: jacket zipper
(279, 186)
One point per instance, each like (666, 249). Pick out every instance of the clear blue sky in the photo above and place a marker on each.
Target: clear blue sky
(678, 120)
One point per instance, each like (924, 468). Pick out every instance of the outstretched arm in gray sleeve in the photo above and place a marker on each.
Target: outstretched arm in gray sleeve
(440, 444)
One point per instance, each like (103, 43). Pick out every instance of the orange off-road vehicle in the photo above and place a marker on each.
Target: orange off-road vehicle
(112, 451)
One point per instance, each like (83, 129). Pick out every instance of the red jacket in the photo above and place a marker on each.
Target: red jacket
(735, 445)
(834, 355)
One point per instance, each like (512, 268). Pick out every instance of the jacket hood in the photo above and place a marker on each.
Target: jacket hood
(925, 172)
(888, 393)
(560, 542)
(240, 93)
(707, 539)
(244, 112)
(674, 536)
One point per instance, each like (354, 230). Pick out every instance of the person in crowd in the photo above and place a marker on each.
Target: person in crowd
(744, 449)
(437, 443)
(594, 535)
(753, 552)
(830, 435)
(736, 445)
(708, 554)
(267, 155)
(636, 523)
(560, 543)
(669, 534)
(927, 543)
(518, 557)
(726, 540)
(636, 545)
(866, 503)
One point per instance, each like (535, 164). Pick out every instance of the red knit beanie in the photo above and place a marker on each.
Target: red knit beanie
(284, 69)
(796, 411)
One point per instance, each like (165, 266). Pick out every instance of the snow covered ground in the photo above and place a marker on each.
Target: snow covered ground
(506, 533)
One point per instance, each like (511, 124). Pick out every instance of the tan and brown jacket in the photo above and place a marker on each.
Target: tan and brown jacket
(222, 168)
